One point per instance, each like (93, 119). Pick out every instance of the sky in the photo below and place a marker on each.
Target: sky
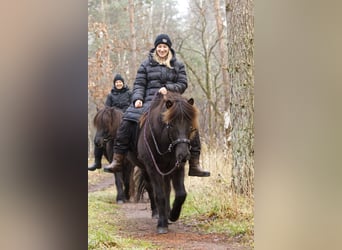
(183, 6)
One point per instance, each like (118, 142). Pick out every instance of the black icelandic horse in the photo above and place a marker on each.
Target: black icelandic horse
(163, 147)
(106, 122)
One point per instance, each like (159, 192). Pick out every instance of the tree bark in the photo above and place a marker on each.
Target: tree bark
(241, 72)
(225, 76)
(133, 60)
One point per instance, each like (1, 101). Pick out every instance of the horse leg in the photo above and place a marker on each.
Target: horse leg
(120, 198)
(180, 194)
(127, 173)
(160, 196)
(118, 177)
(167, 182)
(108, 153)
(153, 204)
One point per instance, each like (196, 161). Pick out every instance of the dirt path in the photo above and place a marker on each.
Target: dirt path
(136, 222)
(102, 183)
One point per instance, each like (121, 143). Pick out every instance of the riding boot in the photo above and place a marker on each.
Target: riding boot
(98, 152)
(96, 165)
(195, 169)
(116, 165)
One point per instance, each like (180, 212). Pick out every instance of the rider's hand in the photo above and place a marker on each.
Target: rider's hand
(138, 103)
(163, 90)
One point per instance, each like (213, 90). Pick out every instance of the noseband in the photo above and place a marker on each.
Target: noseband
(169, 149)
(108, 138)
(171, 145)
(177, 141)
(105, 140)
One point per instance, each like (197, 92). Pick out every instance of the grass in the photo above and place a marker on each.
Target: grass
(210, 206)
(103, 224)
(231, 216)
(97, 175)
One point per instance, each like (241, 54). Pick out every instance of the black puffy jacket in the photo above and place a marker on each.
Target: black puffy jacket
(150, 78)
(119, 98)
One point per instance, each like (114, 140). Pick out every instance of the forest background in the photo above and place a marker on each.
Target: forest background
(297, 123)
(215, 41)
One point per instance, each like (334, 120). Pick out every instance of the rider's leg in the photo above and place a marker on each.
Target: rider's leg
(194, 167)
(121, 145)
(98, 152)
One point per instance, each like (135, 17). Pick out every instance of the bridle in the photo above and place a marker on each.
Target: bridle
(172, 144)
(107, 139)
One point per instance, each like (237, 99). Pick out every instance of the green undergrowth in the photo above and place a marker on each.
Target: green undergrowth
(103, 219)
(218, 211)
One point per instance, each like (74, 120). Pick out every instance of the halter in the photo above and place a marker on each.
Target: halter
(171, 145)
(108, 138)
(105, 140)
(169, 149)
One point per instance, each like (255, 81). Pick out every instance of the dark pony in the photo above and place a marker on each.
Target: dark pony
(106, 122)
(163, 147)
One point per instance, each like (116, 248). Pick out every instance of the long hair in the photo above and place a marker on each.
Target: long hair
(180, 109)
(166, 62)
(108, 117)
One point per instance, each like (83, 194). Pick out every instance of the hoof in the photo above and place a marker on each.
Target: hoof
(155, 215)
(162, 230)
(173, 219)
(120, 202)
(200, 174)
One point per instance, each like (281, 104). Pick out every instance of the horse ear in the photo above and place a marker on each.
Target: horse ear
(191, 101)
(168, 104)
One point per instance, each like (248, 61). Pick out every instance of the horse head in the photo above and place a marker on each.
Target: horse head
(180, 117)
(106, 122)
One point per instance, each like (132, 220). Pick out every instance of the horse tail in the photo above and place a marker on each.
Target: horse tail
(140, 184)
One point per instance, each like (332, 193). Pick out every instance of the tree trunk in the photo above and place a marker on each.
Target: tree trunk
(225, 76)
(241, 72)
(133, 59)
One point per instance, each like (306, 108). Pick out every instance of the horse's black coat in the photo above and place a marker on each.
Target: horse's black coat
(162, 149)
(107, 121)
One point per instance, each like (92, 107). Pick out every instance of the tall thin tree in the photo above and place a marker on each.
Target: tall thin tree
(241, 72)
(133, 59)
(225, 77)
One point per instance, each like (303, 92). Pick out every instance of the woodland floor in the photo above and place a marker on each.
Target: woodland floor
(136, 223)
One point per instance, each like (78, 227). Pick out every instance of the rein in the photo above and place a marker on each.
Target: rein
(171, 145)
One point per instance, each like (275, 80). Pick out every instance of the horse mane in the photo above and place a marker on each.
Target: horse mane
(108, 117)
(157, 101)
(180, 109)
